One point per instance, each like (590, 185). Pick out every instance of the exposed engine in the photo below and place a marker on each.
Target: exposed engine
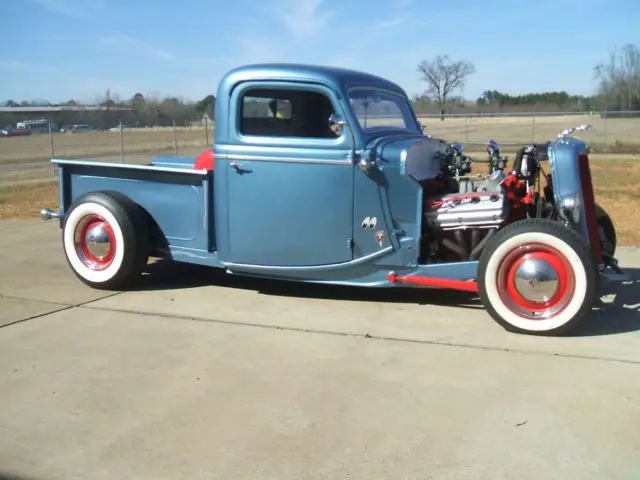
(454, 162)
(461, 214)
(460, 224)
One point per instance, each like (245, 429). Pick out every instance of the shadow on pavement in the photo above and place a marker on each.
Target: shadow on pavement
(622, 315)
(167, 275)
(12, 476)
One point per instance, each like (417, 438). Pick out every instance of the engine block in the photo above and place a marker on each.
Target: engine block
(467, 210)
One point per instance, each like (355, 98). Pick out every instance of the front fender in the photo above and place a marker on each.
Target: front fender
(573, 188)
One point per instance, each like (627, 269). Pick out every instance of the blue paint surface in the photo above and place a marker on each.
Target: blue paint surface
(297, 208)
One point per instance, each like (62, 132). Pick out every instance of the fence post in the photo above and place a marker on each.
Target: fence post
(53, 154)
(175, 139)
(206, 128)
(466, 129)
(533, 128)
(121, 142)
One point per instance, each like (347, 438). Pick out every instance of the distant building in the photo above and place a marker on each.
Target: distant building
(95, 116)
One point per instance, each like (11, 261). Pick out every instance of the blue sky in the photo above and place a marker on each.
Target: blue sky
(61, 49)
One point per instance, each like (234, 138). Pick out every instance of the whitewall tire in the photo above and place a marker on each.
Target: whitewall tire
(105, 240)
(537, 276)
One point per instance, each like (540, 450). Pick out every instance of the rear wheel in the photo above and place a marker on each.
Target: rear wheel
(537, 276)
(105, 240)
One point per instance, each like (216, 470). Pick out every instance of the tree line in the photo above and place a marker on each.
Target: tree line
(617, 89)
(138, 110)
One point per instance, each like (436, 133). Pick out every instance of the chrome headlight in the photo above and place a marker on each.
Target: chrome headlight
(570, 209)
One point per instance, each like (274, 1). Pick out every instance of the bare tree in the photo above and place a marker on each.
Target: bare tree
(443, 77)
(619, 79)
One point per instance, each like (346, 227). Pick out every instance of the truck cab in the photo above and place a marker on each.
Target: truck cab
(292, 195)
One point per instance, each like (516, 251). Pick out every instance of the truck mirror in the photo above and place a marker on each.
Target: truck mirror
(336, 123)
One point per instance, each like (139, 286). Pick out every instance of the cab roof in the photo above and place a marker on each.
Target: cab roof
(339, 79)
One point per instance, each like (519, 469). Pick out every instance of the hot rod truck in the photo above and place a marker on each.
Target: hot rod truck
(325, 175)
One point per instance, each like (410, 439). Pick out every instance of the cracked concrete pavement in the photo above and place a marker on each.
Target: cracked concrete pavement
(197, 374)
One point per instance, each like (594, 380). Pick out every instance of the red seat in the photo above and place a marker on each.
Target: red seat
(205, 161)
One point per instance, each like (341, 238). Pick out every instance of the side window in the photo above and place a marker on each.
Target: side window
(285, 113)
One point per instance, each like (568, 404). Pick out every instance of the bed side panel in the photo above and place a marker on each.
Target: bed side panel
(179, 203)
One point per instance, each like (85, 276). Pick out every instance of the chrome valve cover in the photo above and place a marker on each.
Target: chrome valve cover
(477, 210)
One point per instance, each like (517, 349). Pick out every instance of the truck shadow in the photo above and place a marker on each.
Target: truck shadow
(616, 313)
(167, 275)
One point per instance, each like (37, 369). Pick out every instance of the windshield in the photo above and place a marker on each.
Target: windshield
(380, 110)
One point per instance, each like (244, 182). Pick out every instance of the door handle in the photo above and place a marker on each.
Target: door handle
(236, 166)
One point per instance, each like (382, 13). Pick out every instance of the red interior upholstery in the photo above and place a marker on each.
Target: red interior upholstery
(205, 161)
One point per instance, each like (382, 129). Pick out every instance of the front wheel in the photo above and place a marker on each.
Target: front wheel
(537, 276)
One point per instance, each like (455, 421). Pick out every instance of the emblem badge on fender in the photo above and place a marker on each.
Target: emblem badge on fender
(379, 236)
(369, 223)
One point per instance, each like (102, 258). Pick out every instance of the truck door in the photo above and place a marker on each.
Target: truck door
(289, 178)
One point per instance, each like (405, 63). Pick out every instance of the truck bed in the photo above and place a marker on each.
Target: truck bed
(178, 199)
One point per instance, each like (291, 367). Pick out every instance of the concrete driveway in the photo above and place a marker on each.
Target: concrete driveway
(202, 375)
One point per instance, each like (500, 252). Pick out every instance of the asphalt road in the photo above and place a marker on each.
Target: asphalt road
(202, 375)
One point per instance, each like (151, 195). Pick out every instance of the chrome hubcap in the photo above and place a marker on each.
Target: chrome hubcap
(536, 280)
(97, 241)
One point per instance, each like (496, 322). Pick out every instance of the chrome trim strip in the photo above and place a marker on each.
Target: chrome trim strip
(265, 158)
(129, 166)
(242, 267)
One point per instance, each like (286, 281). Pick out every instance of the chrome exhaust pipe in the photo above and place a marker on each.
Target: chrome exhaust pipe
(48, 214)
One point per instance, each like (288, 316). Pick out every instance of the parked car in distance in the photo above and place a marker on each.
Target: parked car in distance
(14, 132)
(78, 129)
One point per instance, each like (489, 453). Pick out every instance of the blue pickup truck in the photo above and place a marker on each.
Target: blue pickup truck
(325, 175)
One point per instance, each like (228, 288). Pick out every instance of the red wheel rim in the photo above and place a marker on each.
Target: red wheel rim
(535, 281)
(95, 242)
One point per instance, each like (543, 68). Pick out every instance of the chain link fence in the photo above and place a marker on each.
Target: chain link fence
(612, 132)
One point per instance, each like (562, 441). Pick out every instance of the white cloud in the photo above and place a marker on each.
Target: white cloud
(129, 44)
(16, 66)
(125, 42)
(70, 8)
(304, 18)
(392, 22)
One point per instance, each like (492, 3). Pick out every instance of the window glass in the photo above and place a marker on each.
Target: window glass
(286, 113)
(379, 110)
